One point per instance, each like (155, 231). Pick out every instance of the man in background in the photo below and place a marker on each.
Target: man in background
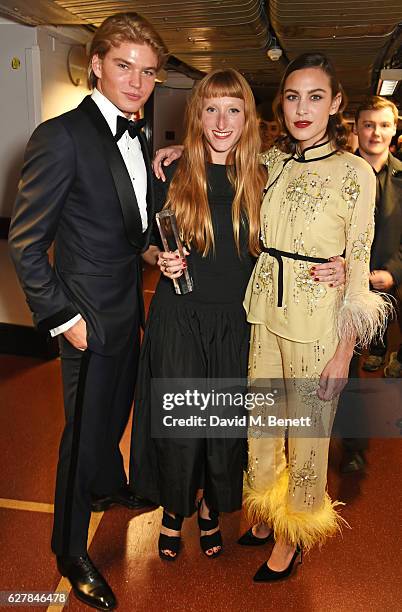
(375, 125)
(376, 121)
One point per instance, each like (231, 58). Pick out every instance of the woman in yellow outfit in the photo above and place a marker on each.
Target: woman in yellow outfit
(319, 200)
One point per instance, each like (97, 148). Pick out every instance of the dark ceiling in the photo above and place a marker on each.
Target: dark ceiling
(360, 36)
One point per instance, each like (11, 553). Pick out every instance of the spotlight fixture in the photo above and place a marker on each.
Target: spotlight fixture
(274, 52)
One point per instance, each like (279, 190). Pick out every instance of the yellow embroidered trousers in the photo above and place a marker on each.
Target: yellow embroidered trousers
(288, 490)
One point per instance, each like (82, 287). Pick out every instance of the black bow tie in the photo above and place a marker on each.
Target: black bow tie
(132, 127)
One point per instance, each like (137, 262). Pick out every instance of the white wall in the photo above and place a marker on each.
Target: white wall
(16, 116)
(39, 89)
(58, 92)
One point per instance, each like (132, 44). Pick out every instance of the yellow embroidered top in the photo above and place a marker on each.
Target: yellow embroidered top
(317, 204)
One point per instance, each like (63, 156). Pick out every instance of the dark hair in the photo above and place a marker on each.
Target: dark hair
(376, 103)
(337, 130)
(125, 27)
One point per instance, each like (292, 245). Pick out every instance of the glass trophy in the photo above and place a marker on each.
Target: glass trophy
(166, 220)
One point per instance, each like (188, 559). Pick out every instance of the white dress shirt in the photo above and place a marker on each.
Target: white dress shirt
(131, 152)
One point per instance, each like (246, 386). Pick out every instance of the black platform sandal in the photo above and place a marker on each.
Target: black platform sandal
(171, 543)
(208, 542)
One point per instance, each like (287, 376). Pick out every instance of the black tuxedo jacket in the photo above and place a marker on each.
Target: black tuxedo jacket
(386, 253)
(75, 191)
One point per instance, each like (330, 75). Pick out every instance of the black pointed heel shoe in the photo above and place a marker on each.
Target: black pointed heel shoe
(249, 539)
(171, 543)
(209, 541)
(266, 574)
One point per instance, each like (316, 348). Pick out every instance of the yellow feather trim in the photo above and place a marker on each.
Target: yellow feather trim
(304, 528)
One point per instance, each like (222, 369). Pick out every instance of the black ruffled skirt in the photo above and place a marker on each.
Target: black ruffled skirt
(189, 341)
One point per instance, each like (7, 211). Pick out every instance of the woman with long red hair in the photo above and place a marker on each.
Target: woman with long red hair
(215, 191)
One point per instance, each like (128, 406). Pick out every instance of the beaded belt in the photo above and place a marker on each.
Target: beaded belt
(278, 256)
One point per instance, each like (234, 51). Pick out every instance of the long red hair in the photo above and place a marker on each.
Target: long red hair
(187, 194)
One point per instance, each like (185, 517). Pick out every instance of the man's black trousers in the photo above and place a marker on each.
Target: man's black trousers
(98, 393)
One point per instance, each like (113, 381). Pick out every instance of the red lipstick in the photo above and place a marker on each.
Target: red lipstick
(302, 124)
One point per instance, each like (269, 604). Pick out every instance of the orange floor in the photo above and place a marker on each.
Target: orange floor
(359, 571)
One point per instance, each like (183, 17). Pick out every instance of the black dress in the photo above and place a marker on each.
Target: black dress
(198, 335)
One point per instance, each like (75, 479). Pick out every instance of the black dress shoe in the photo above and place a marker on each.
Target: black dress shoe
(88, 584)
(249, 539)
(123, 497)
(353, 461)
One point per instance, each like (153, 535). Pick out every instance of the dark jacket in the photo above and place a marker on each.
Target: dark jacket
(386, 252)
(75, 191)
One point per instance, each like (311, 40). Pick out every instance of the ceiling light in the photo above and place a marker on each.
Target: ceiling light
(274, 52)
(388, 87)
(389, 79)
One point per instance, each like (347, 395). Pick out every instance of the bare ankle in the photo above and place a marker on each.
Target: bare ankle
(261, 530)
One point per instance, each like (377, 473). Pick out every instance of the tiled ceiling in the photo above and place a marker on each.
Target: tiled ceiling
(358, 35)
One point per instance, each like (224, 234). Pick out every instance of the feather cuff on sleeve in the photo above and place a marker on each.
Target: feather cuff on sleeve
(363, 316)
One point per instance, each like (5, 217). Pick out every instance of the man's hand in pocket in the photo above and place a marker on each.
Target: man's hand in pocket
(77, 335)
